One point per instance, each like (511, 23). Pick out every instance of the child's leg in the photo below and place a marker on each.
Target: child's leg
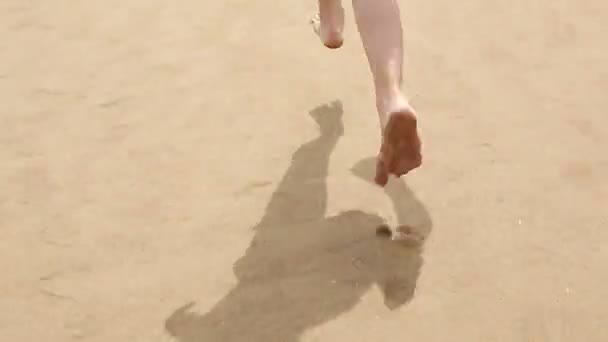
(329, 24)
(379, 24)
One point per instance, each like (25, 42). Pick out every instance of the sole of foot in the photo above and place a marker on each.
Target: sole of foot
(331, 38)
(400, 151)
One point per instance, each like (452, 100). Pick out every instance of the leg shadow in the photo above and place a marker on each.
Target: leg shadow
(401, 260)
(303, 269)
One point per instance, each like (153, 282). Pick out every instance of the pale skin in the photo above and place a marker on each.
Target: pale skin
(379, 25)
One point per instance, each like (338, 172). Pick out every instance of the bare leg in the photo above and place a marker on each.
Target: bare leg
(329, 23)
(379, 24)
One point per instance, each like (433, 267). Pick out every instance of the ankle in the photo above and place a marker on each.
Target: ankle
(330, 4)
(330, 9)
(391, 100)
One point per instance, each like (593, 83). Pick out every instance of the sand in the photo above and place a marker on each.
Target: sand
(198, 171)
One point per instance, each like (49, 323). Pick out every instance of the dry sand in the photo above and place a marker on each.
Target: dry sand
(163, 177)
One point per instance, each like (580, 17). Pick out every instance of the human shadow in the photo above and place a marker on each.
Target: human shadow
(302, 268)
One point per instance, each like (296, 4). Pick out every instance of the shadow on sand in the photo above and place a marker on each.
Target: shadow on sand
(303, 269)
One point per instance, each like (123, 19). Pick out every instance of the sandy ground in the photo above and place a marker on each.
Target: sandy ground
(198, 171)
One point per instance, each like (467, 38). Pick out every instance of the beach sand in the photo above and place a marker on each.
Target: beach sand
(199, 171)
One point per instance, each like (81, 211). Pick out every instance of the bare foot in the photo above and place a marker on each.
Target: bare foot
(400, 151)
(328, 24)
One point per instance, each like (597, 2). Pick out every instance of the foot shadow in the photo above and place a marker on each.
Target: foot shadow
(302, 268)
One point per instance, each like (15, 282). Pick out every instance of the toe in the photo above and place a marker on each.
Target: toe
(381, 173)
